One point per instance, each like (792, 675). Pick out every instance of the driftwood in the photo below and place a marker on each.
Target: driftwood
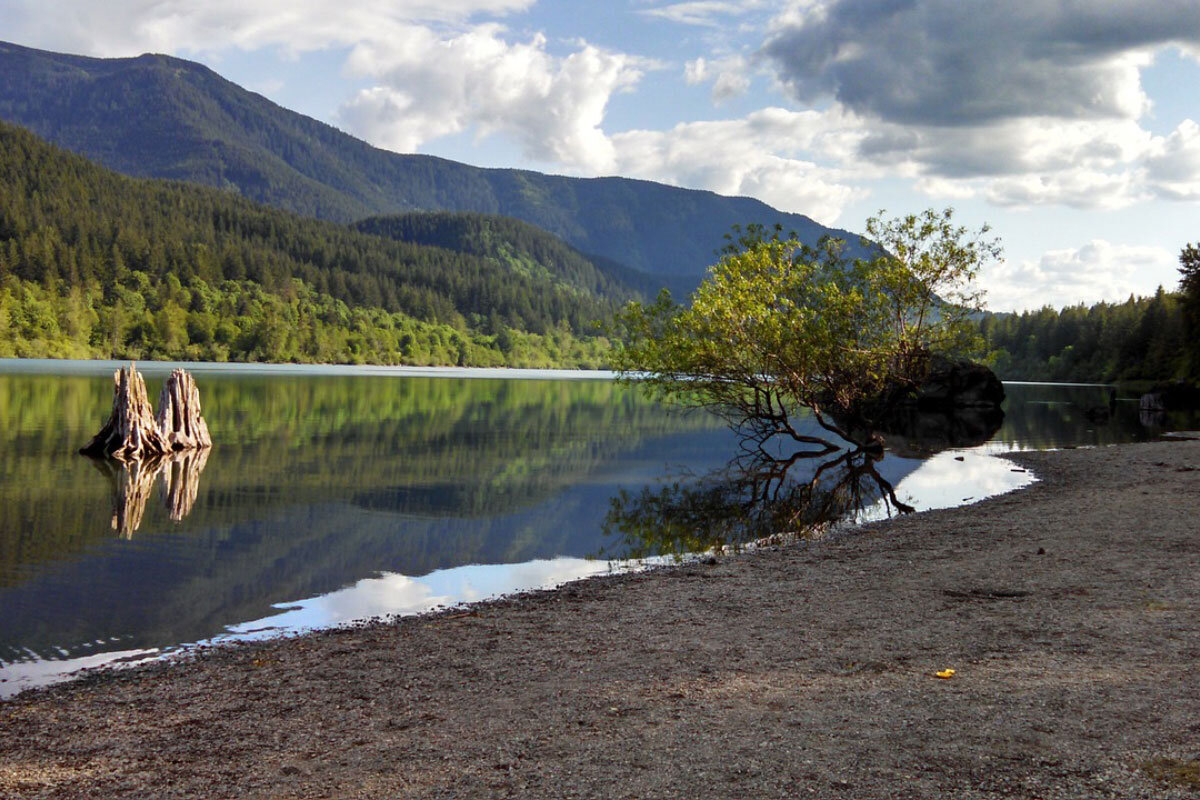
(133, 432)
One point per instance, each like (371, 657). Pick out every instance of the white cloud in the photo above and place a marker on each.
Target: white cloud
(429, 85)
(758, 156)
(703, 13)
(1097, 271)
(1173, 164)
(129, 27)
(1025, 103)
(727, 75)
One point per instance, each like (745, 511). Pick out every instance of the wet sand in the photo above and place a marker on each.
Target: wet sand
(1070, 612)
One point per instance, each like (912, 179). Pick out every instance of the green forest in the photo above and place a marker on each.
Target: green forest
(1141, 339)
(94, 264)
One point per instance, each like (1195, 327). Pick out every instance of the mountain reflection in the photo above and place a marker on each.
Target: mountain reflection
(316, 483)
(133, 482)
(753, 499)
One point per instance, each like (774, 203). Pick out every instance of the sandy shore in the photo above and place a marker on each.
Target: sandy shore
(1070, 612)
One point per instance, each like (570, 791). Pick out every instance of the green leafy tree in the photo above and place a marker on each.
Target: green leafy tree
(778, 326)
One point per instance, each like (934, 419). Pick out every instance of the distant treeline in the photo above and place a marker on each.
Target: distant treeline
(1142, 339)
(138, 318)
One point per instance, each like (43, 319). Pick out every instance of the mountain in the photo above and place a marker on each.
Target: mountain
(164, 117)
(94, 263)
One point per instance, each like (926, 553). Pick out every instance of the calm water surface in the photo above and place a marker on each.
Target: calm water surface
(336, 494)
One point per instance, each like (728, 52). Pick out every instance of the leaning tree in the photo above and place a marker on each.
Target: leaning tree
(778, 326)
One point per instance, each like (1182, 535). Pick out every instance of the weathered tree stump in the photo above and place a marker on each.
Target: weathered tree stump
(179, 420)
(134, 447)
(131, 431)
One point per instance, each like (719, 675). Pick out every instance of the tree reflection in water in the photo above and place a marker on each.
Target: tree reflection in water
(756, 498)
(133, 483)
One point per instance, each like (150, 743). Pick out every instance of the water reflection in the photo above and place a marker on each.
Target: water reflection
(392, 594)
(920, 434)
(365, 494)
(765, 496)
(132, 484)
(751, 500)
(318, 484)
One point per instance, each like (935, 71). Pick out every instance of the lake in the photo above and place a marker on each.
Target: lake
(340, 493)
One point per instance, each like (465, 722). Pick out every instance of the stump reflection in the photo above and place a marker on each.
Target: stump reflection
(754, 500)
(133, 483)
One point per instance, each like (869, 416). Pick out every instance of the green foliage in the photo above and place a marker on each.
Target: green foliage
(779, 326)
(163, 117)
(239, 321)
(96, 264)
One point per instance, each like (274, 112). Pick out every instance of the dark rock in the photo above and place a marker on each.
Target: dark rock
(952, 384)
(957, 404)
(1173, 396)
(1152, 401)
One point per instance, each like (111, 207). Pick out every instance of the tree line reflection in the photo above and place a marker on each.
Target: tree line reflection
(753, 500)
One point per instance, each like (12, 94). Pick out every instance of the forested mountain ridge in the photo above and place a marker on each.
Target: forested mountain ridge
(99, 264)
(158, 116)
(524, 248)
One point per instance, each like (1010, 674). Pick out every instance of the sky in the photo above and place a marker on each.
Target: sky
(1069, 126)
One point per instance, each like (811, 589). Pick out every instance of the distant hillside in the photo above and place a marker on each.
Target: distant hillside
(526, 249)
(93, 263)
(156, 116)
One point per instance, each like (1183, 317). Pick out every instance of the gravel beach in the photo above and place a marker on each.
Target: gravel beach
(1069, 612)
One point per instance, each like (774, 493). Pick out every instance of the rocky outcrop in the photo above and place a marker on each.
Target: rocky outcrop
(958, 404)
(952, 384)
(1175, 396)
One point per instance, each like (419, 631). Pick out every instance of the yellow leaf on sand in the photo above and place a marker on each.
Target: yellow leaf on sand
(946, 674)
